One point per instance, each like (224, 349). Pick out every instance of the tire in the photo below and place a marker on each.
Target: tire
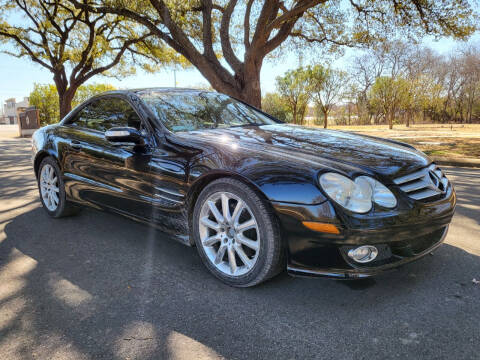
(62, 207)
(257, 248)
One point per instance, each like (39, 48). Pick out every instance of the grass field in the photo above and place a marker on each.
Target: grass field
(457, 140)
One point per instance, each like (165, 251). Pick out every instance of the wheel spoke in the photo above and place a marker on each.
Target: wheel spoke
(220, 254)
(237, 211)
(225, 208)
(209, 241)
(241, 254)
(56, 189)
(231, 260)
(215, 212)
(247, 225)
(247, 242)
(50, 173)
(210, 224)
(55, 198)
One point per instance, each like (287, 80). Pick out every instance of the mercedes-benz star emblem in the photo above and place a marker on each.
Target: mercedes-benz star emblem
(436, 181)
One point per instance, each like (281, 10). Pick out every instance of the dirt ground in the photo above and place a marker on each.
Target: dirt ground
(455, 140)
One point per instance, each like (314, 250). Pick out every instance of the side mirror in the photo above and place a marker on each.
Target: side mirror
(124, 135)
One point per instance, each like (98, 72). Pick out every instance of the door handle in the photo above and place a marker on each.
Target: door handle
(76, 144)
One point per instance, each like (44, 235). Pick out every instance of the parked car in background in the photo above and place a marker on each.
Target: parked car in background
(254, 195)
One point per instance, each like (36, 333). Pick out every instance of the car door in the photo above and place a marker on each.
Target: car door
(102, 173)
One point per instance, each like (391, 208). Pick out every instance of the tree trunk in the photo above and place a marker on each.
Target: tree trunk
(295, 114)
(65, 101)
(252, 92)
(408, 118)
(65, 93)
(390, 120)
(246, 84)
(325, 119)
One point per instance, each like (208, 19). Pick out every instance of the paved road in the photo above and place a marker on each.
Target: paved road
(97, 286)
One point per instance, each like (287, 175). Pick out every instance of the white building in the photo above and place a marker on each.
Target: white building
(11, 108)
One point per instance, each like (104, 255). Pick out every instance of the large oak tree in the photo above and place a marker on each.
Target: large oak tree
(228, 41)
(75, 44)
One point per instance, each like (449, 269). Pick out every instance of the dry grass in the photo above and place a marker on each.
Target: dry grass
(451, 146)
(456, 140)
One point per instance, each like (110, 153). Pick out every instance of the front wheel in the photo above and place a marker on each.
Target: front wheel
(236, 234)
(52, 190)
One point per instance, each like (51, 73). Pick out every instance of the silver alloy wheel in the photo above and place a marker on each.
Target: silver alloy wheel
(49, 187)
(229, 233)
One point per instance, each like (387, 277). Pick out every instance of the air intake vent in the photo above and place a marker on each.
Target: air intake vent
(424, 184)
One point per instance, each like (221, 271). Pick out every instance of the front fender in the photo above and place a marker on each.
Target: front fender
(279, 181)
(42, 147)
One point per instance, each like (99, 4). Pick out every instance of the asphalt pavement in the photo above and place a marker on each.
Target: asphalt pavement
(99, 286)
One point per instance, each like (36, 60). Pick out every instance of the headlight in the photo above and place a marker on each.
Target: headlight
(358, 195)
(381, 195)
(354, 196)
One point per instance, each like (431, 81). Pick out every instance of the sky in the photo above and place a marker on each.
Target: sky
(17, 76)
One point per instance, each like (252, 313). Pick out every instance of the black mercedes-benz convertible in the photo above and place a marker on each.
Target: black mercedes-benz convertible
(253, 194)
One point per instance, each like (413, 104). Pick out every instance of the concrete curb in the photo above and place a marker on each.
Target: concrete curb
(451, 161)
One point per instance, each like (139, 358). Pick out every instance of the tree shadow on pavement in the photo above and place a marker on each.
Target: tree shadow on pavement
(100, 286)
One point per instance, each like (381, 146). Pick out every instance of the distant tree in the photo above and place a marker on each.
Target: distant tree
(293, 86)
(326, 86)
(75, 45)
(388, 95)
(274, 104)
(365, 68)
(470, 69)
(244, 33)
(45, 99)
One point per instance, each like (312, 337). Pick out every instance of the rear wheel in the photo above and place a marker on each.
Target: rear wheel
(236, 234)
(52, 190)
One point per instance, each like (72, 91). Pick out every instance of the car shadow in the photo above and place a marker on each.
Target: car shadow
(114, 288)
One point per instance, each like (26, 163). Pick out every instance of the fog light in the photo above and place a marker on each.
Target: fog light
(363, 254)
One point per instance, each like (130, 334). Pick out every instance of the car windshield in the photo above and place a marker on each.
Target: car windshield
(197, 110)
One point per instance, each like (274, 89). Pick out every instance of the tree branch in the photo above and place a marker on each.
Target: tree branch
(227, 50)
(246, 24)
(30, 53)
(293, 14)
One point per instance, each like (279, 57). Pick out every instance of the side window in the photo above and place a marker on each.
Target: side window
(107, 113)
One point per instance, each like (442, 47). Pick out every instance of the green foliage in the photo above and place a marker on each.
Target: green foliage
(275, 105)
(45, 99)
(293, 87)
(388, 95)
(326, 86)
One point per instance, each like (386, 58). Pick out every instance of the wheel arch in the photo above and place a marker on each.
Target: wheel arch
(203, 181)
(39, 158)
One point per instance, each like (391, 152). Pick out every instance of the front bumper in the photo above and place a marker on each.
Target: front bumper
(400, 237)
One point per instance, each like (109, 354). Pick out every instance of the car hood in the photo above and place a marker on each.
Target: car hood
(319, 147)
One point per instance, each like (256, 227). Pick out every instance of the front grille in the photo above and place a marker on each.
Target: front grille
(424, 184)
